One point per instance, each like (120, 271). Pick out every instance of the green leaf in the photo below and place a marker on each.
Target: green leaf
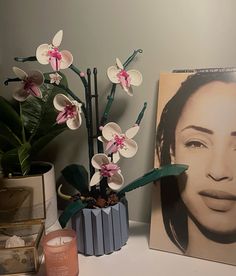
(9, 136)
(71, 210)
(154, 175)
(10, 117)
(77, 176)
(39, 144)
(16, 161)
(39, 116)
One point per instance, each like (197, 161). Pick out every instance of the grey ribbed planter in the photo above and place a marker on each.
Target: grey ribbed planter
(103, 230)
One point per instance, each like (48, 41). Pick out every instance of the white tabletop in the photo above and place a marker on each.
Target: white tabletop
(135, 258)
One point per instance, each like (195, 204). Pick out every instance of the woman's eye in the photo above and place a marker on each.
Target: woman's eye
(195, 144)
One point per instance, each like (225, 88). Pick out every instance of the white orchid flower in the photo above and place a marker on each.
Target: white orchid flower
(117, 74)
(29, 84)
(119, 143)
(55, 78)
(107, 169)
(69, 111)
(49, 53)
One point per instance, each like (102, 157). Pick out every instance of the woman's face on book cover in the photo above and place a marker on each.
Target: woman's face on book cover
(205, 139)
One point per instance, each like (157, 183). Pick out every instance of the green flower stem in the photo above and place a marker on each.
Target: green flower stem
(127, 62)
(24, 59)
(11, 80)
(140, 116)
(72, 94)
(110, 99)
(79, 73)
(89, 118)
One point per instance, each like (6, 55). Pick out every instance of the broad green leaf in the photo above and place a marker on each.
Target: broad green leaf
(154, 175)
(77, 176)
(10, 117)
(71, 210)
(16, 161)
(9, 136)
(39, 144)
(39, 114)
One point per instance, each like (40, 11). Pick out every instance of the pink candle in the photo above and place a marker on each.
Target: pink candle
(60, 252)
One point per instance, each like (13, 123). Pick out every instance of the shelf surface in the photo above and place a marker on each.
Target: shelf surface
(136, 259)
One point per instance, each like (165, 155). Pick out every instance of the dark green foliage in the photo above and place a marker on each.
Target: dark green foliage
(25, 132)
(17, 160)
(77, 176)
(154, 175)
(71, 210)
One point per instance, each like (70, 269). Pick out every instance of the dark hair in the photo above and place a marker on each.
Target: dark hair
(173, 210)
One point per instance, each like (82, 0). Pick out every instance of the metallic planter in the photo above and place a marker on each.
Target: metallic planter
(101, 231)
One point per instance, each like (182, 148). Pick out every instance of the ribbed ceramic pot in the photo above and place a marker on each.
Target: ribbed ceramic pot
(103, 230)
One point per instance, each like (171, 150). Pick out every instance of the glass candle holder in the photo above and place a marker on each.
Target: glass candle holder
(60, 253)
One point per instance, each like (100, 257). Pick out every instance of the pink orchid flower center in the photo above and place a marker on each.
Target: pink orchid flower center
(31, 88)
(108, 170)
(28, 85)
(119, 140)
(124, 78)
(69, 112)
(54, 53)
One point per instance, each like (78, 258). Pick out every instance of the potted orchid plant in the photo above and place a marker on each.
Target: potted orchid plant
(47, 107)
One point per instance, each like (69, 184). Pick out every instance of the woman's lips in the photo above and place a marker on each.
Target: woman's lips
(218, 200)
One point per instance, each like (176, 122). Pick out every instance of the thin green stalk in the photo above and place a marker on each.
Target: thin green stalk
(110, 99)
(11, 80)
(25, 59)
(140, 115)
(80, 74)
(88, 118)
(129, 59)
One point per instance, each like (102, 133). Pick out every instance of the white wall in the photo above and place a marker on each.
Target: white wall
(172, 34)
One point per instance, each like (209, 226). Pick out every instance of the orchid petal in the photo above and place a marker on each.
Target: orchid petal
(96, 178)
(110, 129)
(74, 123)
(20, 73)
(116, 181)
(101, 139)
(35, 91)
(55, 78)
(111, 147)
(99, 159)
(112, 72)
(136, 77)
(56, 41)
(36, 77)
(61, 118)
(20, 94)
(42, 53)
(130, 148)
(60, 101)
(131, 132)
(119, 64)
(67, 59)
(115, 157)
(55, 63)
(129, 90)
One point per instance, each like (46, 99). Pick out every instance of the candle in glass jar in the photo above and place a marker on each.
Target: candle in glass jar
(60, 252)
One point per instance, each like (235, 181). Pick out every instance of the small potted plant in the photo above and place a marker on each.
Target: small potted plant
(100, 200)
